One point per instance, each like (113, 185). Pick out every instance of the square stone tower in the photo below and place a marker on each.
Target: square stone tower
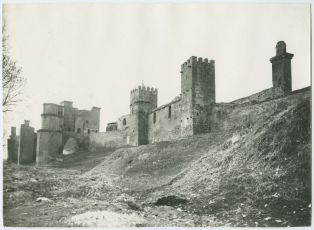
(197, 95)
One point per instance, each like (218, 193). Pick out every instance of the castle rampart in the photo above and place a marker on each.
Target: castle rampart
(112, 139)
(194, 111)
(164, 122)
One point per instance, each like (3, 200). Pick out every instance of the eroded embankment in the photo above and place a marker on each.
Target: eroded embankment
(255, 170)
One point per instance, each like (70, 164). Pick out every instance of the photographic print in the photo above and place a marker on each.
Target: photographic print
(156, 114)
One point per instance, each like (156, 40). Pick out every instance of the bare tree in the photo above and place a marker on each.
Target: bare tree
(12, 79)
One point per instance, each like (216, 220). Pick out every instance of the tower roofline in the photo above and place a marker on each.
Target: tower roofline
(144, 89)
(198, 60)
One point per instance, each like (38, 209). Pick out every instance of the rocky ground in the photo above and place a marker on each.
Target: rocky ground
(254, 172)
(56, 196)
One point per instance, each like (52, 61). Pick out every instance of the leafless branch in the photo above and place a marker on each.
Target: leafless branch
(12, 79)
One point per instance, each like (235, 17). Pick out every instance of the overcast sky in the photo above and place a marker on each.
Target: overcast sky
(94, 54)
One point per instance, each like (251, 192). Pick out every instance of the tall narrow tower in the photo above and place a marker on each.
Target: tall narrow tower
(143, 100)
(281, 68)
(49, 137)
(197, 95)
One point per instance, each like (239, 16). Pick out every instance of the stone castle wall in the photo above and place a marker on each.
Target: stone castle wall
(113, 139)
(49, 146)
(186, 113)
(264, 95)
(195, 111)
(61, 122)
(129, 124)
(165, 127)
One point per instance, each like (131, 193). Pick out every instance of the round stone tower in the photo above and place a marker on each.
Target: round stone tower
(143, 99)
(49, 137)
(52, 117)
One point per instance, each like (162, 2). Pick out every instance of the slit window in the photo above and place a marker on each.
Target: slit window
(154, 117)
(124, 121)
(169, 112)
(79, 130)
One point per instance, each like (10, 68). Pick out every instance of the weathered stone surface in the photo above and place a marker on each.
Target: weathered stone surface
(27, 143)
(61, 122)
(195, 111)
(167, 125)
(13, 146)
(281, 68)
(109, 139)
(49, 146)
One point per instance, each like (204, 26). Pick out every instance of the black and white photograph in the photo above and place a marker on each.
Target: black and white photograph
(156, 114)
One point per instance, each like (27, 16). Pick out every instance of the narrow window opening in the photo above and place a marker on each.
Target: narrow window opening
(154, 118)
(79, 130)
(169, 112)
(124, 121)
(88, 131)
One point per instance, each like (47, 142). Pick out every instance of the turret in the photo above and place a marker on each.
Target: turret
(49, 137)
(143, 99)
(281, 68)
(68, 116)
(198, 75)
(197, 94)
(52, 117)
(95, 117)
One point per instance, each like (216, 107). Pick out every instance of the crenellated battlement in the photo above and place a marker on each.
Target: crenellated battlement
(144, 89)
(143, 94)
(197, 61)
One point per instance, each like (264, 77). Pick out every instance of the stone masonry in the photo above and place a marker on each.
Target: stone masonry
(193, 111)
(59, 123)
(21, 149)
(13, 146)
